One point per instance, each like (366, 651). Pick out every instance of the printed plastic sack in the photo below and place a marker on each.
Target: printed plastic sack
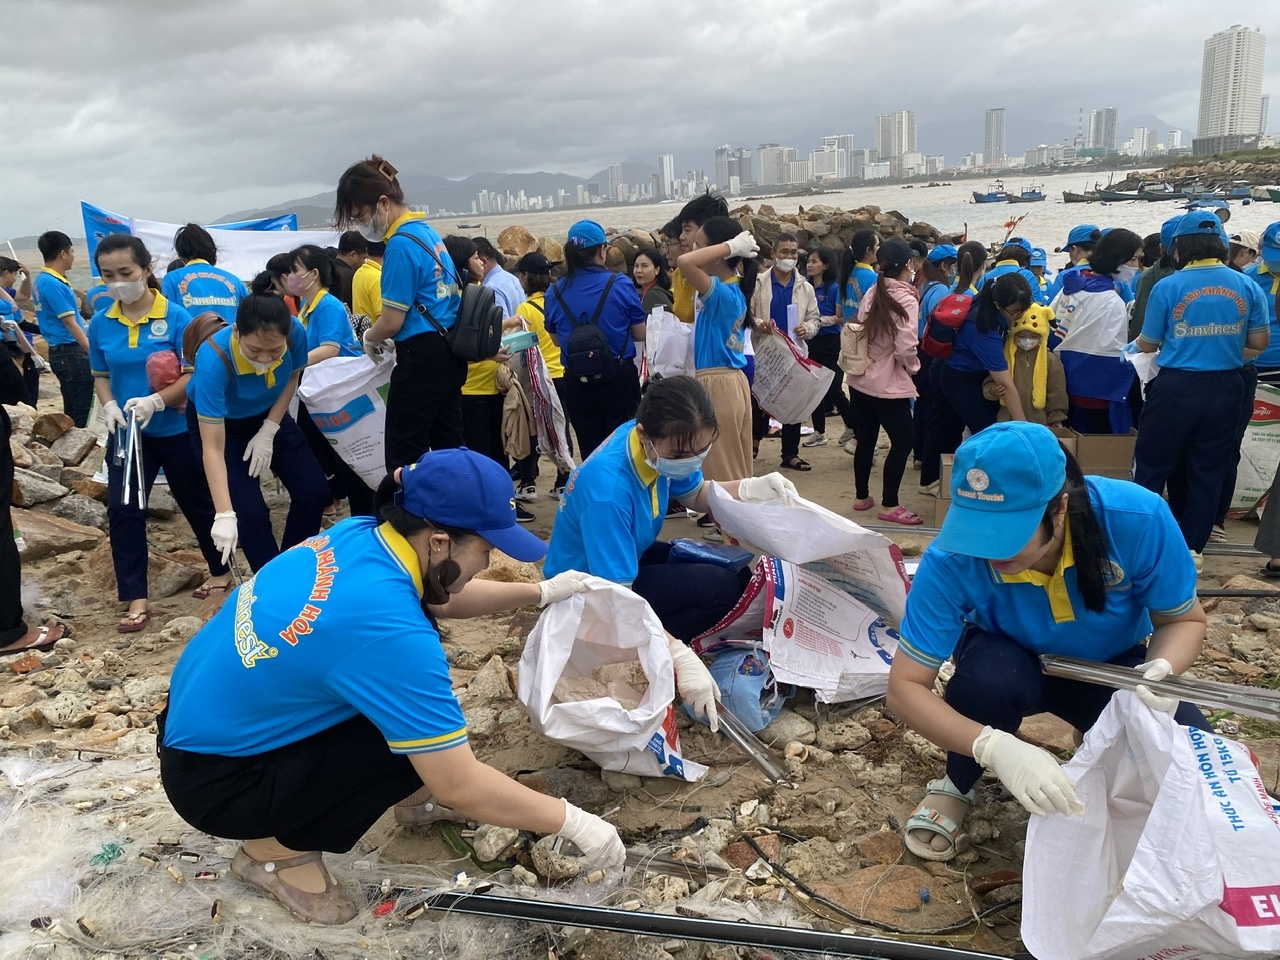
(347, 400)
(787, 384)
(605, 624)
(1260, 451)
(725, 555)
(1177, 855)
(748, 688)
(668, 345)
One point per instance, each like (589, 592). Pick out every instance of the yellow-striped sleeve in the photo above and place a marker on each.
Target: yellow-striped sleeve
(430, 744)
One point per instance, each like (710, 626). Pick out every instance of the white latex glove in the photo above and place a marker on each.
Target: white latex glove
(694, 682)
(562, 586)
(226, 534)
(772, 486)
(1029, 773)
(144, 408)
(112, 418)
(744, 245)
(260, 448)
(375, 350)
(598, 840)
(1156, 669)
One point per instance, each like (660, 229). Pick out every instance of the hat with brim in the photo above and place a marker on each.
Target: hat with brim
(1002, 481)
(1271, 243)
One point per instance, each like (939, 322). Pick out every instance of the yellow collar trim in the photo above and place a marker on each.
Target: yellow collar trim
(1001, 263)
(1054, 585)
(1208, 262)
(308, 308)
(372, 264)
(54, 273)
(401, 220)
(246, 369)
(159, 310)
(403, 552)
(864, 265)
(648, 476)
(1264, 271)
(192, 263)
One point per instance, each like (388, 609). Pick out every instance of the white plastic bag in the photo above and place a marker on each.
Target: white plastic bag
(1177, 855)
(347, 400)
(605, 624)
(787, 384)
(668, 345)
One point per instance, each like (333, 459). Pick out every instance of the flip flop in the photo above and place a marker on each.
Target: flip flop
(133, 622)
(795, 463)
(50, 633)
(1270, 572)
(862, 505)
(903, 516)
(928, 819)
(206, 590)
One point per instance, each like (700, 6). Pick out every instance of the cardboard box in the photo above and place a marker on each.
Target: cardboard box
(1066, 437)
(944, 488)
(1106, 454)
(940, 508)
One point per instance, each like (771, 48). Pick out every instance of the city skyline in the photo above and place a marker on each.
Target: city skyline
(1231, 84)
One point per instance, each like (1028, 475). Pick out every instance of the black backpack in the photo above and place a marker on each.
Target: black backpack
(588, 358)
(477, 334)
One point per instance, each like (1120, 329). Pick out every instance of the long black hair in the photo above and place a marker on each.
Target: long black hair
(830, 263)
(971, 260)
(1007, 290)
(435, 580)
(676, 408)
(137, 250)
(659, 262)
(1088, 538)
(1113, 251)
(722, 230)
(861, 242)
(263, 309)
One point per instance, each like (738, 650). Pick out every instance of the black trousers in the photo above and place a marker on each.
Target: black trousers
(689, 598)
(71, 367)
(12, 626)
(944, 431)
(922, 410)
(825, 349)
(869, 415)
(963, 390)
(423, 399)
(320, 793)
(344, 482)
(597, 409)
(482, 426)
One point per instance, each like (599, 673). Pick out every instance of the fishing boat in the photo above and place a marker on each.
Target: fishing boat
(469, 226)
(1261, 194)
(1090, 196)
(1274, 193)
(1113, 196)
(996, 193)
(1032, 194)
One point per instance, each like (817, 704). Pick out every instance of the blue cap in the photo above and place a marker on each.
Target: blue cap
(586, 233)
(1019, 242)
(943, 251)
(461, 488)
(1085, 233)
(1166, 231)
(1038, 257)
(1270, 251)
(1201, 222)
(1001, 482)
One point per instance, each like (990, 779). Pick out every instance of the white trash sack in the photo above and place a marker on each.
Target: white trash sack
(605, 624)
(347, 400)
(1177, 855)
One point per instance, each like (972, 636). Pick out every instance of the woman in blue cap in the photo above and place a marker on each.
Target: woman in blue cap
(1034, 558)
(1038, 266)
(1203, 321)
(1080, 243)
(298, 715)
(596, 316)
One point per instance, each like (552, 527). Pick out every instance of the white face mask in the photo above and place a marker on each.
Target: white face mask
(259, 368)
(370, 229)
(1127, 273)
(784, 266)
(1026, 343)
(128, 291)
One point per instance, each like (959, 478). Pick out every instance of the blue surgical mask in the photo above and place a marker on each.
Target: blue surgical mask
(676, 469)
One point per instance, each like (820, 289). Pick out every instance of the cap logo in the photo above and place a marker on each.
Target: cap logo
(977, 479)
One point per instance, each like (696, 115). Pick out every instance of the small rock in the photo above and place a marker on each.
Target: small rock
(620, 782)
(845, 735)
(481, 722)
(103, 684)
(160, 504)
(785, 728)
(70, 681)
(882, 847)
(49, 427)
(90, 488)
(580, 787)
(552, 865)
(742, 856)
(22, 696)
(181, 629)
(491, 682)
(1265, 621)
(911, 548)
(30, 488)
(82, 510)
(1250, 646)
(490, 842)
(816, 859)
(74, 445)
(523, 877)
(146, 692)
(666, 889)
(67, 710)
(21, 455)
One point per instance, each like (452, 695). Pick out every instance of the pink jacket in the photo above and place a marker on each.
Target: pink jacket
(892, 363)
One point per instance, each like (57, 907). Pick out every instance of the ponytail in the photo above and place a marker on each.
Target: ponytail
(972, 260)
(1088, 538)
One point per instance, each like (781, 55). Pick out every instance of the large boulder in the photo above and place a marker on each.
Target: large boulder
(552, 249)
(81, 509)
(516, 241)
(167, 573)
(30, 488)
(46, 535)
(74, 445)
(49, 427)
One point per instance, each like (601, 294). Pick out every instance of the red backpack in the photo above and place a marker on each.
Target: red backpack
(944, 324)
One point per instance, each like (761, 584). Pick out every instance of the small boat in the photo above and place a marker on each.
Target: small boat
(469, 226)
(1240, 190)
(996, 193)
(1089, 196)
(1032, 194)
(1207, 201)
(1261, 194)
(1116, 195)
(1274, 193)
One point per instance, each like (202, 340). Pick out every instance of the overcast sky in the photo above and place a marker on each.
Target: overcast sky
(198, 108)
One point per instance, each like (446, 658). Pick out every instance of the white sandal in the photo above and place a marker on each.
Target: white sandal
(930, 820)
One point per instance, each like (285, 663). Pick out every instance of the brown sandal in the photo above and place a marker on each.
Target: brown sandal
(133, 622)
(206, 590)
(329, 908)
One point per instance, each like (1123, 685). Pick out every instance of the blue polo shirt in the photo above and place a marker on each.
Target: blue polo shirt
(612, 510)
(581, 294)
(720, 316)
(219, 396)
(1202, 315)
(296, 650)
(327, 323)
(862, 280)
(1151, 572)
(54, 300)
(201, 286)
(118, 352)
(828, 295)
(1011, 266)
(780, 300)
(411, 276)
(975, 350)
(99, 298)
(1269, 283)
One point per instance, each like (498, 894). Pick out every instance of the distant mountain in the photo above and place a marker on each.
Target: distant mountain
(631, 173)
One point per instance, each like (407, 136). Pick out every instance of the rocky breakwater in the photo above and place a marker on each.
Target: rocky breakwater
(819, 225)
(1213, 171)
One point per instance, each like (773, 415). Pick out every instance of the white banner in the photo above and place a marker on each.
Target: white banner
(244, 252)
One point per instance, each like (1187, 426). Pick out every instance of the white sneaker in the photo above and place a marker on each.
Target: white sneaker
(527, 494)
(849, 446)
(930, 489)
(847, 435)
(817, 440)
(1198, 559)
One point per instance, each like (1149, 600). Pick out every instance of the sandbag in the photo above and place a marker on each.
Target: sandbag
(605, 624)
(1177, 855)
(347, 400)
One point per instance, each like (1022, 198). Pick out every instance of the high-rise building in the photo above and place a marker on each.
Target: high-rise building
(895, 134)
(1174, 140)
(666, 175)
(993, 136)
(616, 184)
(726, 165)
(768, 156)
(1231, 83)
(1266, 109)
(1102, 129)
